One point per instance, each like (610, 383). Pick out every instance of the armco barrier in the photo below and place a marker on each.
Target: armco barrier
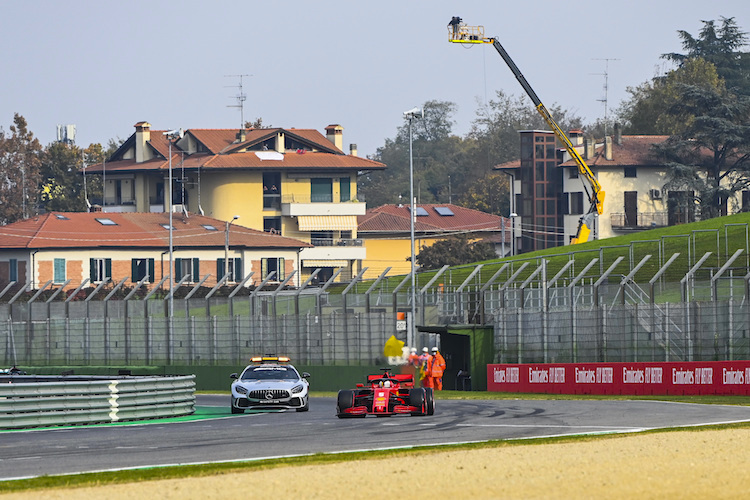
(33, 401)
(692, 378)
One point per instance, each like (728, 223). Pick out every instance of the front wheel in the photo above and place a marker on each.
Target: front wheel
(236, 410)
(345, 400)
(430, 400)
(417, 397)
(306, 406)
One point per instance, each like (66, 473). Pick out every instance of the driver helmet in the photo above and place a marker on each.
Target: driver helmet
(387, 383)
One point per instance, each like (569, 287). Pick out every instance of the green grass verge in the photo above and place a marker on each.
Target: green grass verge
(176, 472)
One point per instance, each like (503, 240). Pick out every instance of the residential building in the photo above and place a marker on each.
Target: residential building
(293, 182)
(549, 198)
(386, 232)
(66, 248)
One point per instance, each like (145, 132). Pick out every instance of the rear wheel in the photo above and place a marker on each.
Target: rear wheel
(430, 400)
(417, 398)
(344, 401)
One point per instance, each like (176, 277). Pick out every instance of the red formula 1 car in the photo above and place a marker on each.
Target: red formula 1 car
(385, 395)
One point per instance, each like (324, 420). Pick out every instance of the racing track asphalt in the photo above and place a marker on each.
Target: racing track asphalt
(32, 453)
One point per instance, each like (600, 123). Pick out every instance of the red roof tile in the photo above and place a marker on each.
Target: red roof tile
(141, 230)
(395, 219)
(635, 150)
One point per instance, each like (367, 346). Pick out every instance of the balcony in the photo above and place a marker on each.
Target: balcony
(335, 255)
(645, 220)
(294, 205)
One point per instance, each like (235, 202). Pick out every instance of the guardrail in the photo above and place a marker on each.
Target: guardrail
(34, 401)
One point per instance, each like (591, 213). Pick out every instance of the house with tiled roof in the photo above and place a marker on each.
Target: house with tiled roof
(294, 182)
(67, 249)
(386, 232)
(548, 198)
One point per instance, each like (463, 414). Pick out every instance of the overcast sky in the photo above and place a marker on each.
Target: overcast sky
(106, 65)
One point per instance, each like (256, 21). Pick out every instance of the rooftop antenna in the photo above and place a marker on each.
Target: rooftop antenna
(241, 98)
(606, 87)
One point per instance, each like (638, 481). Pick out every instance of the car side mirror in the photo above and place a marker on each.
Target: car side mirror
(234, 375)
(305, 375)
(360, 385)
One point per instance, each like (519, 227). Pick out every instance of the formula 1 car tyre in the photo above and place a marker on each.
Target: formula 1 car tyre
(235, 409)
(417, 398)
(430, 400)
(345, 400)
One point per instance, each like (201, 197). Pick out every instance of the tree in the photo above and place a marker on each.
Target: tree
(720, 47)
(455, 251)
(62, 183)
(19, 172)
(489, 194)
(650, 109)
(711, 157)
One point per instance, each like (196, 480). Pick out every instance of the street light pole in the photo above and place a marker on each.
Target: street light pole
(172, 135)
(226, 245)
(411, 336)
(513, 216)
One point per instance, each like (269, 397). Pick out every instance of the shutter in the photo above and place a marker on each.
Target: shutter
(263, 268)
(177, 269)
(134, 270)
(196, 270)
(280, 266)
(108, 268)
(220, 268)
(92, 270)
(345, 188)
(150, 271)
(238, 270)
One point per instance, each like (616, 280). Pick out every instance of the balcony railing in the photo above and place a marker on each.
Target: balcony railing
(336, 242)
(306, 198)
(644, 220)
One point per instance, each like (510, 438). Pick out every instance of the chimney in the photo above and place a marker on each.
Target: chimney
(576, 137)
(335, 134)
(241, 135)
(608, 148)
(588, 149)
(618, 134)
(142, 136)
(353, 149)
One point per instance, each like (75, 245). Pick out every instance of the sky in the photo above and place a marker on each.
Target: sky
(106, 65)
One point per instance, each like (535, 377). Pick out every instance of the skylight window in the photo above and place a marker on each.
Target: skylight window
(209, 227)
(166, 226)
(61, 217)
(421, 212)
(444, 211)
(106, 222)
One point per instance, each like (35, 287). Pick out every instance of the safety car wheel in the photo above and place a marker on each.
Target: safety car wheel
(235, 409)
(306, 406)
(417, 398)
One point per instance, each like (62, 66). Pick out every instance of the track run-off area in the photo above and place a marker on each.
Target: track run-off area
(213, 435)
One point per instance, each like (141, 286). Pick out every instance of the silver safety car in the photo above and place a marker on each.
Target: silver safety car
(270, 382)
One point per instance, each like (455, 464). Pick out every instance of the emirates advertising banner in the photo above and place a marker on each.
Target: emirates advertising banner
(698, 378)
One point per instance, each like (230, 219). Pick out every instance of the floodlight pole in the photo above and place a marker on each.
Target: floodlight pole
(411, 335)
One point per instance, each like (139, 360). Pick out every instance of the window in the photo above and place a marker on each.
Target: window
(631, 172)
(140, 268)
(100, 270)
(271, 191)
(106, 222)
(234, 270)
(572, 173)
(271, 264)
(185, 267)
(345, 189)
(13, 271)
(59, 271)
(321, 190)
(576, 203)
(272, 225)
(444, 211)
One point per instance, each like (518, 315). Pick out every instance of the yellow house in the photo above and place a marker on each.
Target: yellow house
(386, 233)
(294, 182)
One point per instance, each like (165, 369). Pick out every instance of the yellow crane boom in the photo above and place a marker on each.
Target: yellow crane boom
(458, 32)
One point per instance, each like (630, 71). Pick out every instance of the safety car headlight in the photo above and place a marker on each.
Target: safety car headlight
(298, 388)
(240, 389)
